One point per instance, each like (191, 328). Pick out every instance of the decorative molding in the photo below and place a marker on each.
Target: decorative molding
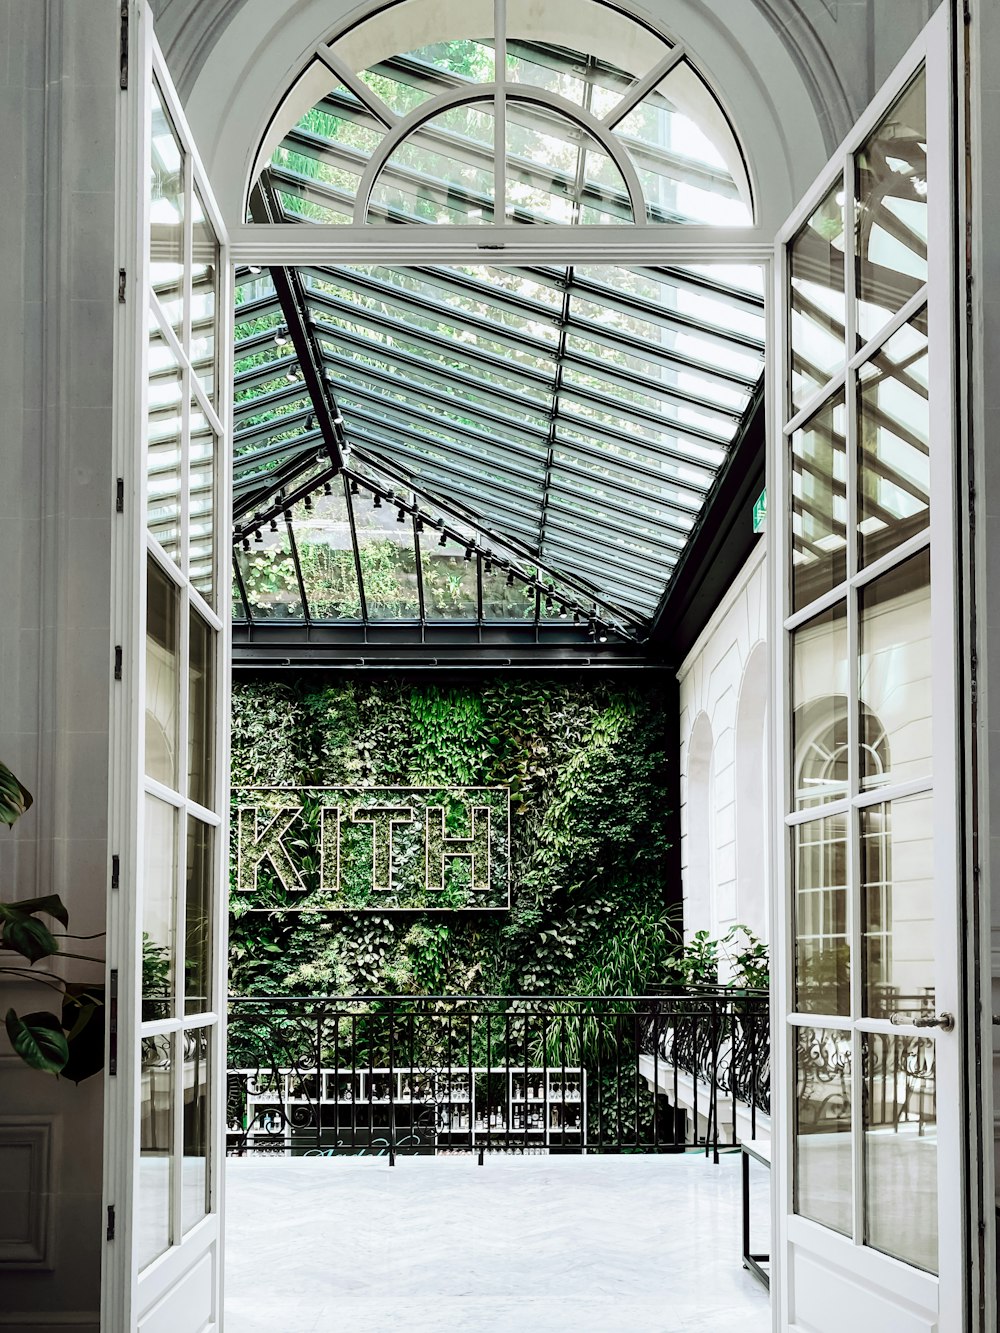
(26, 1183)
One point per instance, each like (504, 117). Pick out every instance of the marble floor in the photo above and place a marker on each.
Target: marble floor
(520, 1245)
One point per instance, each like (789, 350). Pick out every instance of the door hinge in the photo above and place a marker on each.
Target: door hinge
(123, 46)
(113, 1022)
(116, 867)
(111, 1222)
(118, 661)
(122, 278)
(120, 495)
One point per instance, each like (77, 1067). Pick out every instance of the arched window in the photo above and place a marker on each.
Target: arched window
(480, 114)
(821, 750)
(821, 869)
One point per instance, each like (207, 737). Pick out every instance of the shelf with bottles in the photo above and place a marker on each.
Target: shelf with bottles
(547, 1086)
(457, 1107)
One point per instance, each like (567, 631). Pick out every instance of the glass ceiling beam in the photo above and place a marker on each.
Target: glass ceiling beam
(288, 288)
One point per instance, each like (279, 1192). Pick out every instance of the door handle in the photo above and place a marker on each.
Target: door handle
(944, 1021)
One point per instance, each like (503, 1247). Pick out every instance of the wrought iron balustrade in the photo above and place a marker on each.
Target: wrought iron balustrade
(384, 1075)
(720, 1037)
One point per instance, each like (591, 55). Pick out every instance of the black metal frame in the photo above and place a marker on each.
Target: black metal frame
(297, 1047)
(751, 1261)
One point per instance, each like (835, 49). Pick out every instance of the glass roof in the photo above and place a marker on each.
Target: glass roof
(576, 417)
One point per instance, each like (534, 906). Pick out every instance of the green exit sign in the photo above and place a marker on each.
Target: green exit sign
(760, 511)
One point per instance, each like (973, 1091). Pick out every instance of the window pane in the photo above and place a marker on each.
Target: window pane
(897, 867)
(201, 712)
(683, 151)
(166, 213)
(900, 1116)
(819, 700)
(891, 224)
(556, 173)
(197, 1127)
(821, 893)
(269, 576)
(450, 591)
(203, 450)
(156, 1141)
(163, 444)
(506, 597)
(822, 1181)
(819, 504)
(204, 295)
(326, 555)
(198, 919)
(895, 672)
(818, 304)
(159, 888)
(162, 683)
(388, 559)
(893, 438)
(442, 172)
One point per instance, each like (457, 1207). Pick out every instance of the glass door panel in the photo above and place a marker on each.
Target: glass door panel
(867, 687)
(167, 1098)
(822, 947)
(891, 214)
(823, 1134)
(817, 298)
(900, 1151)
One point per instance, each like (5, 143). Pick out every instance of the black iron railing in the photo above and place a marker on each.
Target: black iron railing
(384, 1075)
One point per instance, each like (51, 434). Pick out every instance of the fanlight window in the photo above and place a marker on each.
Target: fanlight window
(501, 123)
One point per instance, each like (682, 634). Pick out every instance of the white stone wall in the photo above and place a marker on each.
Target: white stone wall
(723, 705)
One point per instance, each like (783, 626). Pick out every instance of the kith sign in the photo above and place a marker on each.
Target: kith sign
(374, 848)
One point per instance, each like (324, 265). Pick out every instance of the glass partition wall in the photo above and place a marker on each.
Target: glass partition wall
(181, 813)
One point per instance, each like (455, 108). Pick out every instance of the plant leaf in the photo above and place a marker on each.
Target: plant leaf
(26, 936)
(51, 905)
(38, 1039)
(14, 796)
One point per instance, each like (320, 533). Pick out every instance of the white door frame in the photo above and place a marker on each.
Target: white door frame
(131, 1299)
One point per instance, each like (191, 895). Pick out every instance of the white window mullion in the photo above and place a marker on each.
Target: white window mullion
(500, 113)
(854, 871)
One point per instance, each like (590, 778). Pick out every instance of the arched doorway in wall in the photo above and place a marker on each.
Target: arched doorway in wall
(507, 356)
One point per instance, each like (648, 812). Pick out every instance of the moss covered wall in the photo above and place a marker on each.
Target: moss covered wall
(591, 773)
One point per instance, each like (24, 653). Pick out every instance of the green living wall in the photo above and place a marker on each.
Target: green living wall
(588, 769)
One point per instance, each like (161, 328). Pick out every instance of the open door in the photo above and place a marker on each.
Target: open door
(166, 1059)
(871, 1166)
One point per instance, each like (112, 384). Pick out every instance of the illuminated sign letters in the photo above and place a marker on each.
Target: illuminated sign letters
(371, 848)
